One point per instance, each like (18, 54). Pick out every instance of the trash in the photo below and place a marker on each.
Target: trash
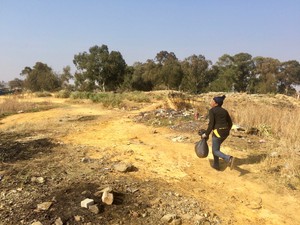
(201, 148)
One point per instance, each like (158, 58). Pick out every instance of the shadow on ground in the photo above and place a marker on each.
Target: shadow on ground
(15, 146)
(250, 159)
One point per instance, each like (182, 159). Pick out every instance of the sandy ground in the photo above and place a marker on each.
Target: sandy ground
(239, 196)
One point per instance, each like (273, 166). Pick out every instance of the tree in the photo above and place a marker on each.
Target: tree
(65, 77)
(169, 70)
(265, 74)
(288, 76)
(225, 79)
(141, 76)
(196, 77)
(234, 72)
(16, 83)
(40, 78)
(99, 69)
(244, 67)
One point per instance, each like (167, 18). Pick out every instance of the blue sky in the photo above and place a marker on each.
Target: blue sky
(53, 31)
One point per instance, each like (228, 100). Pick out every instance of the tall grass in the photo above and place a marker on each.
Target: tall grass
(13, 105)
(280, 120)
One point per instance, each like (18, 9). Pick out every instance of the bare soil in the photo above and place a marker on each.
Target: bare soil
(69, 153)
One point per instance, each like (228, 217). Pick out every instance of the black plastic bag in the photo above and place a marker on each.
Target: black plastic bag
(201, 148)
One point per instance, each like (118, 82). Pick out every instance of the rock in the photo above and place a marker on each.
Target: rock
(274, 154)
(108, 189)
(199, 219)
(94, 209)
(255, 204)
(85, 160)
(86, 203)
(132, 190)
(168, 218)
(39, 180)
(58, 221)
(78, 218)
(107, 198)
(123, 167)
(176, 222)
(179, 139)
(44, 206)
(37, 223)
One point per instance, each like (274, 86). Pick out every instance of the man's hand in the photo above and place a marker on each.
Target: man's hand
(202, 133)
(203, 136)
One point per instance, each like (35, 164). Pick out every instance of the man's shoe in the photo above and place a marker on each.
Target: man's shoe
(216, 167)
(231, 162)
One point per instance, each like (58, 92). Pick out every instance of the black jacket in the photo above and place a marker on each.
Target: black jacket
(219, 121)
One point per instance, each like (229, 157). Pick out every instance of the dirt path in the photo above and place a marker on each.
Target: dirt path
(240, 196)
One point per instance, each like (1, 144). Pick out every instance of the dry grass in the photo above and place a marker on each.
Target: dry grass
(13, 105)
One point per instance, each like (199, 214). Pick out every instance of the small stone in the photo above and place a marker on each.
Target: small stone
(199, 219)
(44, 206)
(176, 222)
(108, 189)
(274, 154)
(40, 180)
(85, 160)
(168, 218)
(37, 223)
(94, 209)
(78, 218)
(123, 167)
(58, 221)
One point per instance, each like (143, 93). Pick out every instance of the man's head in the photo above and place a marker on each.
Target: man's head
(219, 100)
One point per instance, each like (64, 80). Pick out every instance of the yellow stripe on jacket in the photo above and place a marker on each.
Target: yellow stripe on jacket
(216, 133)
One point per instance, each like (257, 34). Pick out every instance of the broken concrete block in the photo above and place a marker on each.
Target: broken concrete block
(87, 202)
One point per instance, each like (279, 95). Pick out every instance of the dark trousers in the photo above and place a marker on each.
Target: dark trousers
(216, 144)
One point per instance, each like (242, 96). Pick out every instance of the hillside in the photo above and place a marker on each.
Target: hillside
(145, 153)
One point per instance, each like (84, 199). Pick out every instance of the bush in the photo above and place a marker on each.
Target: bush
(63, 94)
(137, 96)
(43, 94)
(80, 95)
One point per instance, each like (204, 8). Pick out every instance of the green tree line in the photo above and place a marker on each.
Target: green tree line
(102, 70)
